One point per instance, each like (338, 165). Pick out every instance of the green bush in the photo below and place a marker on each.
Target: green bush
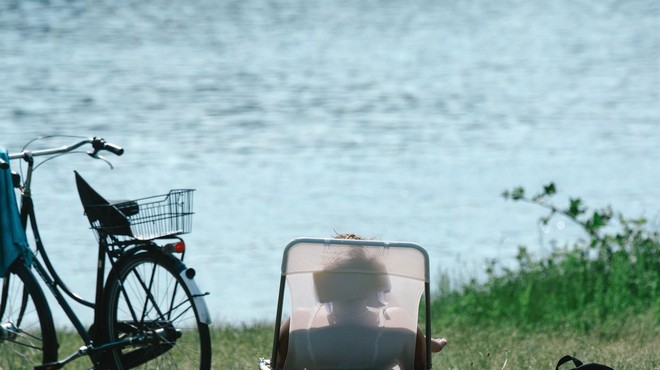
(594, 282)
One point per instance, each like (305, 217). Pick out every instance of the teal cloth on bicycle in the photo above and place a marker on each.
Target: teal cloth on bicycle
(13, 241)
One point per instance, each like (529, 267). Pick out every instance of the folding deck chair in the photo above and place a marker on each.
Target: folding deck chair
(353, 305)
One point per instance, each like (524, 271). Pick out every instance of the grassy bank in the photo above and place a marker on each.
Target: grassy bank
(597, 298)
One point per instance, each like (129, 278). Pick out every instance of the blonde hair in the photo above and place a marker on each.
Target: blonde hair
(348, 236)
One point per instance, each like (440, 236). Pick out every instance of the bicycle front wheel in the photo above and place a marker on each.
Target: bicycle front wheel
(149, 305)
(27, 333)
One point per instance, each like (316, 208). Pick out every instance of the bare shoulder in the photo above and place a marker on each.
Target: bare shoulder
(304, 318)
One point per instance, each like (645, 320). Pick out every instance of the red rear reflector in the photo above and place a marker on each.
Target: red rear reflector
(179, 247)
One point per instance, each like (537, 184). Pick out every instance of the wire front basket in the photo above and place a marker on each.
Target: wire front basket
(146, 218)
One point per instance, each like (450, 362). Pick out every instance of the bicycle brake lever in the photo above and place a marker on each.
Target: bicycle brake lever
(95, 155)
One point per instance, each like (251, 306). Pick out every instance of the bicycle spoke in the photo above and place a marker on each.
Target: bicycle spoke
(182, 312)
(122, 288)
(27, 345)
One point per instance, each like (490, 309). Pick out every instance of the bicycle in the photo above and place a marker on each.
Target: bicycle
(148, 313)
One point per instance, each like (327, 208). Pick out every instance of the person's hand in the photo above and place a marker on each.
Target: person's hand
(438, 344)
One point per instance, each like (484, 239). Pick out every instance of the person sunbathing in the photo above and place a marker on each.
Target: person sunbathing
(353, 327)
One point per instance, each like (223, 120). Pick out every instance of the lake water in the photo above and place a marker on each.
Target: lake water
(400, 120)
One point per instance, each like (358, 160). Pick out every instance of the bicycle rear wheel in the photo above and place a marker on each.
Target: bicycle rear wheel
(27, 334)
(148, 303)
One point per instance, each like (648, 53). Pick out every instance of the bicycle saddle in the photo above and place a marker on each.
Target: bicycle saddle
(103, 214)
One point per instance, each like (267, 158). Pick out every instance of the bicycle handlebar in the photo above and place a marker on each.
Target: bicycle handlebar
(98, 144)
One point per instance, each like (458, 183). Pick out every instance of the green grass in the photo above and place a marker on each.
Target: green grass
(634, 346)
(627, 345)
(500, 347)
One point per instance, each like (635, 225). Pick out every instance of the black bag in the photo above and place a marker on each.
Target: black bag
(579, 365)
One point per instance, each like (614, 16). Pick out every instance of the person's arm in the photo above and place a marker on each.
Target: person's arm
(420, 349)
(283, 346)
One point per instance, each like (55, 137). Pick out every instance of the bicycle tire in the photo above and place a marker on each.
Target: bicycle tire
(145, 294)
(27, 333)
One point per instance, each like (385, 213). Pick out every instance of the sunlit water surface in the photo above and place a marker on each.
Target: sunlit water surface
(400, 120)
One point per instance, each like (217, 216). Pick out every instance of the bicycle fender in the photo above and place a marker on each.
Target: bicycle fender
(187, 276)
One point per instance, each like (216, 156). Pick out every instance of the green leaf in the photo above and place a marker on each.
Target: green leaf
(597, 221)
(518, 193)
(550, 189)
(575, 208)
